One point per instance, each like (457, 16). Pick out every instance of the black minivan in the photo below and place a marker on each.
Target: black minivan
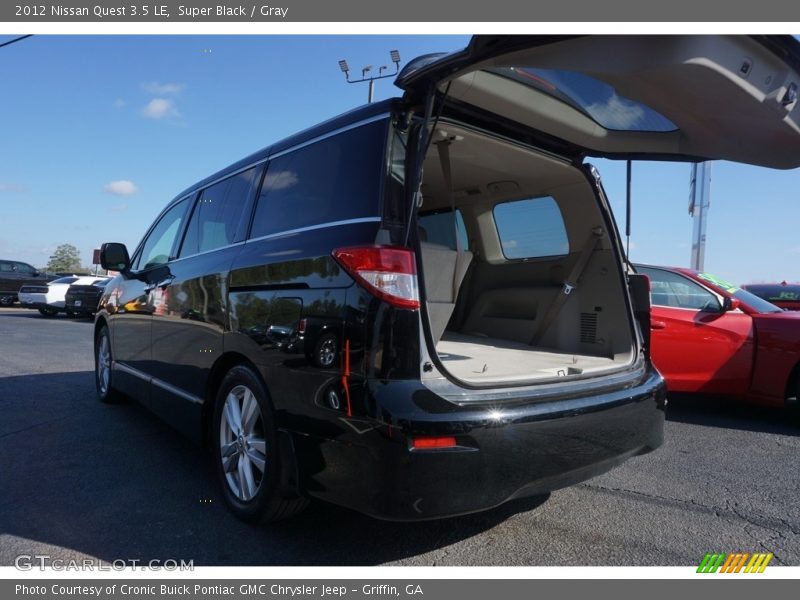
(420, 308)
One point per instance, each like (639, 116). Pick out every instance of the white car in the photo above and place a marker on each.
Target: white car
(49, 298)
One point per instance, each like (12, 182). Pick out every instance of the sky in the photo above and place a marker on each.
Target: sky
(100, 132)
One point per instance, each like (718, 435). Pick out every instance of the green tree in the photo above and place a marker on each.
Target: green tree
(66, 258)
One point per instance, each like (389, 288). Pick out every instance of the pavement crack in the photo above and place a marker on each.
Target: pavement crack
(779, 526)
(33, 426)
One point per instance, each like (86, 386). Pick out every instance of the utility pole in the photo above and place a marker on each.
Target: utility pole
(394, 55)
(699, 202)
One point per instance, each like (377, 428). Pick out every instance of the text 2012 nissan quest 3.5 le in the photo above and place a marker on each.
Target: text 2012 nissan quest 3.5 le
(419, 308)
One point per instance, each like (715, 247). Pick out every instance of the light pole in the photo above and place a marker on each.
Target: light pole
(395, 56)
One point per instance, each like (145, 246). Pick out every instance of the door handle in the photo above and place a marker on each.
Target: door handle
(657, 325)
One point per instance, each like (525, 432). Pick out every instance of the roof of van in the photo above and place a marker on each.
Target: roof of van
(353, 116)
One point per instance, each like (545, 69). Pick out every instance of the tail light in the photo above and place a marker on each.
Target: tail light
(388, 272)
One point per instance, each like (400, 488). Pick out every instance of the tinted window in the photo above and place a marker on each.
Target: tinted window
(334, 179)
(157, 248)
(5, 267)
(438, 228)
(218, 213)
(65, 280)
(25, 268)
(592, 97)
(676, 291)
(531, 228)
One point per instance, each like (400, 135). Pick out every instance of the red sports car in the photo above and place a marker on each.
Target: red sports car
(784, 295)
(711, 337)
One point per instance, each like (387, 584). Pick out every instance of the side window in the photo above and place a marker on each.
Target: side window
(5, 267)
(334, 179)
(25, 268)
(157, 248)
(676, 291)
(438, 228)
(531, 228)
(218, 213)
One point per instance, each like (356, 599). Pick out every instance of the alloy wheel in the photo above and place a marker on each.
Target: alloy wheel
(243, 446)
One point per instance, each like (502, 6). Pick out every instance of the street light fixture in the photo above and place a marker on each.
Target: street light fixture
(394, 55)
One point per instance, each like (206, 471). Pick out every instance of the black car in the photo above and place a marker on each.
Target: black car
(82, 300)
(470, 333)
(15, 274)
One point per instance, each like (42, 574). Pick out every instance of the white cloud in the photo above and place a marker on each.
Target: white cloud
(121, 187)
(11, 187)
(280, 180)
(160, 108)
(616, 113)
(163, 89)
(119, 103)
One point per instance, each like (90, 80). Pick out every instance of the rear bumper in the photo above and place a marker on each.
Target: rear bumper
(502, 453)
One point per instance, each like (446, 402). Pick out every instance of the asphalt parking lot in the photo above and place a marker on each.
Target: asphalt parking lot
(81, 479)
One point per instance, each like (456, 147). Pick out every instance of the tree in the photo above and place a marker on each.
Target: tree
(65, 259)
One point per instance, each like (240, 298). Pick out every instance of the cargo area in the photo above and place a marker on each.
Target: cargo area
(494, 270)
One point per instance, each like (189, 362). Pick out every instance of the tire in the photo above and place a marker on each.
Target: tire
(326, 351)
(103, 374)
(6, 300)
(246, 459)
(48, 312)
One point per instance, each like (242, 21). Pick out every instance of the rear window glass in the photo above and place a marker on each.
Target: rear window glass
(596, 99)
(531, 228)
(65, 280)
(334, 179)
(781, 293)
(439, 228)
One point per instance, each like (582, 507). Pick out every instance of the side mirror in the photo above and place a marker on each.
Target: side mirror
(36, 273)
(729, 303)
(114, 257)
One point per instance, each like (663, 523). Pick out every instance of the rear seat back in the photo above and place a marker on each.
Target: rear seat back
(509, 313)
(443, 270)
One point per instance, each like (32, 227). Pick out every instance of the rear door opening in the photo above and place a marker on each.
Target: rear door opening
(519, 273)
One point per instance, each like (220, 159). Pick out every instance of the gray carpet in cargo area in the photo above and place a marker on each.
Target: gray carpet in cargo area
(474, 358)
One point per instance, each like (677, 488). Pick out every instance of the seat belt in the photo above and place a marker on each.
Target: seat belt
(570, 284)
(443, 146)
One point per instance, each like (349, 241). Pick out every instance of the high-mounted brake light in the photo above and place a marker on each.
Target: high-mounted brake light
(388, 272)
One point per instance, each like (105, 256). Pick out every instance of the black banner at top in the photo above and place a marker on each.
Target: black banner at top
(458, 11)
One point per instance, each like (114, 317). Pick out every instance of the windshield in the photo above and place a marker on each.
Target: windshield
(753, 301)
(775, 293)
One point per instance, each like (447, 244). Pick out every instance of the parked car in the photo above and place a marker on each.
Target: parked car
(15, 274)
(50, 298)
(81, 299)
(785, 295)
(487, 344)
(710, 337)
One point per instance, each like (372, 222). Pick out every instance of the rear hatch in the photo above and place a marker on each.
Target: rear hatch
(670, 97)
(520, 262)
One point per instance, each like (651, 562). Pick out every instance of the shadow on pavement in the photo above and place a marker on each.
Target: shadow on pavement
(730, 414)
(113, 482)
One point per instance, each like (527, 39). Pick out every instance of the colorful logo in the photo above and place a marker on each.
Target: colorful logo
(734, 563)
